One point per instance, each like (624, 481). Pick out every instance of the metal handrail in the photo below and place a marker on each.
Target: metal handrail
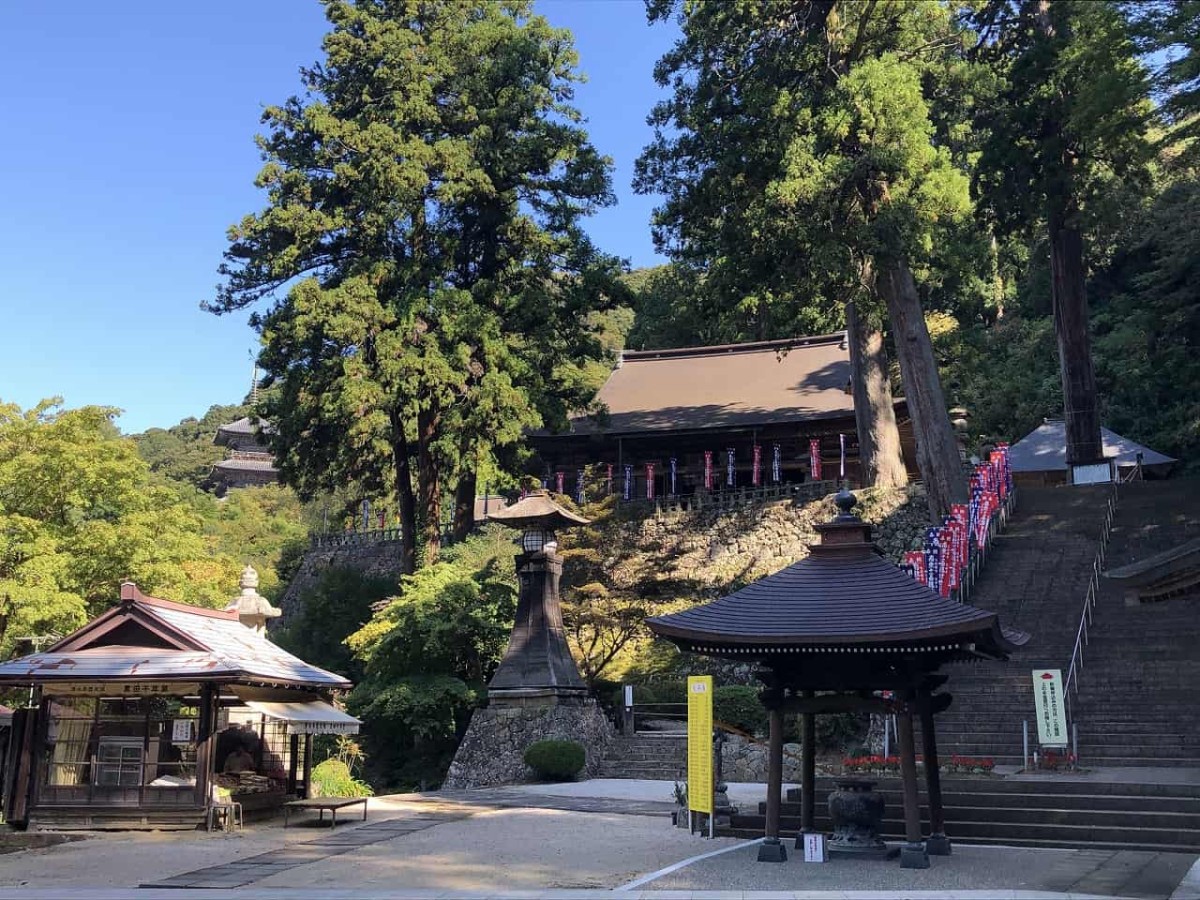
(1075, 666)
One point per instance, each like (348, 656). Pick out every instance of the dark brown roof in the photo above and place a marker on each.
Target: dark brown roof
(843, 595)
(768, 382)
(537, 511)
(246, 426)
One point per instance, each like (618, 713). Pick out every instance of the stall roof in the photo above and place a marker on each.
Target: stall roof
(183, 643)
(1045, 450)
(309, 717)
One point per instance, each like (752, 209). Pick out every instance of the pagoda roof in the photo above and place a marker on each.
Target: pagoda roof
(843, 597)
(247, 426)
(762, 383)
(537, 511)
(245, 464)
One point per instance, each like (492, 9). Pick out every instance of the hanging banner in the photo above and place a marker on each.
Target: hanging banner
(558, 481)
(674, 473)
(649, 481)
(914, 561)
(776, 464)
(756, 466)
(814, 458)
(579, 487)
(730, 470)
(627, 493)
(708, 470)
(700, 743)
(842, 467)
(609, 479)
(366, 515)
(382, 520)
(1048, 703)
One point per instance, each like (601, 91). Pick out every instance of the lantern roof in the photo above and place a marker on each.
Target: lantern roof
(844, 597)
(537, 511)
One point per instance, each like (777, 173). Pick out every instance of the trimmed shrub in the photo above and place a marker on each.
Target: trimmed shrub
(555, 760)
(332, 778)
(739, 706)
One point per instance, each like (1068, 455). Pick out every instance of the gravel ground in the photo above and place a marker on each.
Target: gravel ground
(511, 849)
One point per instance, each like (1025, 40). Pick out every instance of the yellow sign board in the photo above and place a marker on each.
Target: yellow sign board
(700, 743)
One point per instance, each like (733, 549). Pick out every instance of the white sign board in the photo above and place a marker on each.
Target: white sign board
(814, 847)
(1092, 473)
(1051, 712)
(181, 731)
(628, 696)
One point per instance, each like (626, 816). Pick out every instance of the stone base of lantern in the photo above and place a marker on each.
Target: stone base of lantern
(772, 850)
(937, 845)
(913, 856)
(493, 749)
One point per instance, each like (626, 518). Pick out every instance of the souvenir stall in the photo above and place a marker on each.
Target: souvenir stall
(142, 715)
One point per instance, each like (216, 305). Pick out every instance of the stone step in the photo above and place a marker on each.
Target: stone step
(752, 833)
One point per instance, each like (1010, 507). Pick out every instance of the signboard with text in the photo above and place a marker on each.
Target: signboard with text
(121, 689)
(1051, 712)
(700, 743)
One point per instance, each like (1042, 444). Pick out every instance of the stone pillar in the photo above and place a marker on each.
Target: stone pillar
(937, 844)
(771, 849)
(912, 854)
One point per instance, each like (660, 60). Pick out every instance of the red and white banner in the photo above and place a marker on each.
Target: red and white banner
(708, 470)
(756, 468)
(915, 559)
(814, 458)
(649, 481)
(558, 481)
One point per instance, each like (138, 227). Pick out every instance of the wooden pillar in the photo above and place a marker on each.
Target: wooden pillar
(937, 843)
(206, 740)
(912, 854)
(308, 767)
(771, 850)
(293, 762)
(808, 772)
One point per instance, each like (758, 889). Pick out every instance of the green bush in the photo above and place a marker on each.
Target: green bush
(739, 706)
(332, 778)
(555, 760)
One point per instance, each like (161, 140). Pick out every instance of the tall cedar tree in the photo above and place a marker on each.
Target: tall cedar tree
(1069, 115)
(800, 167)
(423, 225)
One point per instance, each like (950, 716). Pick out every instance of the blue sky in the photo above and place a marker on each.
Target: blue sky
(128, 150)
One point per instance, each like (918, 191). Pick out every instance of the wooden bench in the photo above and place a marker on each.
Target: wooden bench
(333, 804)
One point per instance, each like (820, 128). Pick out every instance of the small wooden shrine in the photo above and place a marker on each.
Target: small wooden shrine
(139, 717)
(846, 630)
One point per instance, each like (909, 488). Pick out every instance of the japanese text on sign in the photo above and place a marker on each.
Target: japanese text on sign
(700, 726)
(1048, 704)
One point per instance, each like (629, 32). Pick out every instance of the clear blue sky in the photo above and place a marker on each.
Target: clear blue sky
(128, 150)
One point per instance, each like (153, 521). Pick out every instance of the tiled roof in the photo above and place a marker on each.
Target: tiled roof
(244, 464)
(227, 649)
(768, 382)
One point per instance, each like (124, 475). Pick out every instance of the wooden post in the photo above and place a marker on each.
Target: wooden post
(293, 762)
(937, 844)
(808, 772)
(206, 741)
(912, 854)
(771, 850)
(308, 766)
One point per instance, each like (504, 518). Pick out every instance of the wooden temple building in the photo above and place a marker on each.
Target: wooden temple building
(846, 630)
(778, 396)
(247, 460)
(140, 717)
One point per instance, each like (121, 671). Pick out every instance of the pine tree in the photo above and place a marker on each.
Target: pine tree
(421, 251)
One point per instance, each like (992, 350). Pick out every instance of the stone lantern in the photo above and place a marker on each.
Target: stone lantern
(253, 608)
(537, 668)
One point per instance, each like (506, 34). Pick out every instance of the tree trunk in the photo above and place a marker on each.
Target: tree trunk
(405, 500)
(1068, 293)
(874, 412)
(429, 489)
(941, 466)
(464, 505)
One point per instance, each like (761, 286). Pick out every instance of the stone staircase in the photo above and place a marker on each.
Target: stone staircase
(1035, 577)
(1035, 812)
(658, 756)
(1136, 699)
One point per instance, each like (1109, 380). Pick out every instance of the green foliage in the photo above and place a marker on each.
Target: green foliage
(332, 778)
(80, 512)
(555, 760)
(423, 225)
(338, 605)
(739, 706)
(428, 654)
(185, 452)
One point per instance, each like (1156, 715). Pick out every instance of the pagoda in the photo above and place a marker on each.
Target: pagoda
(247, 460)
(844, 630)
